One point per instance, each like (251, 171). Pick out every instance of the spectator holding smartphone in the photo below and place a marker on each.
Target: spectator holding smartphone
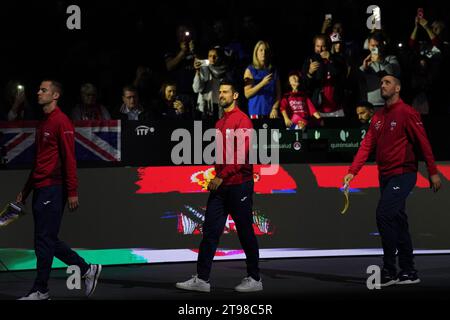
(262, 85)
(324, 77)
(16, 103)
(180, 63)
(428, 64)
(208, 76)
(434, 31)
(374, 66)
(169, 105)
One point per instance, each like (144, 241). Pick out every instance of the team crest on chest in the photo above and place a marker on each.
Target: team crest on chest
(393, 124)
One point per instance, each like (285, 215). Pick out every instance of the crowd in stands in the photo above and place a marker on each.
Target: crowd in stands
(338, 78)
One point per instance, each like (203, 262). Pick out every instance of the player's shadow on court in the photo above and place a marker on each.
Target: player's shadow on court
(129, 284)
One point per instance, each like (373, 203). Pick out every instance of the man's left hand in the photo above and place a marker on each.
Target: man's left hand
(214, 184)
(73, 203)
(435, 182)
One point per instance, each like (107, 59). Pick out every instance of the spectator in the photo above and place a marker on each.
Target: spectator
(89, 108)
(428, 78)
(422, 79)
(348, 48)
(16, 103)
(169, 105)
(376, 64)
(324, 75)
(209, 74)
(262, 84)
(181, 65)
(233, 50)
(146, 83)
(296, 108)
(434, 33)
(365, 112)
(131, 109)
(336, 43)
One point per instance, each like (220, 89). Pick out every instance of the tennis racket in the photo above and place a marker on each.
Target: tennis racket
(346, 198)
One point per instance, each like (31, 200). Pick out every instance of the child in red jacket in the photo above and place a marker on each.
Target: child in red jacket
(296, 108)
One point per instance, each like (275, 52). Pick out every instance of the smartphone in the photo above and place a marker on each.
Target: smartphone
(187, 36)
(20, 88)
(374, 50)
(204, 63)
(328, 16)
(420, 13)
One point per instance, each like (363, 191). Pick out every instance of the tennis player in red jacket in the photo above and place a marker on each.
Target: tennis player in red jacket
(53, 181)
(231, 192)
(397, 134)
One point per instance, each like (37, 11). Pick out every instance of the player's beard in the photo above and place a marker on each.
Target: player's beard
(387, 95)
(225, 104)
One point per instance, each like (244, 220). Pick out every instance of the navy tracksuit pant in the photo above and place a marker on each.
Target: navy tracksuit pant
(392, 221)
(48, 208)
(236, 200)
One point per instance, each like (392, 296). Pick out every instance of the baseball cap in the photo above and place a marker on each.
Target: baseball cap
(335, 37)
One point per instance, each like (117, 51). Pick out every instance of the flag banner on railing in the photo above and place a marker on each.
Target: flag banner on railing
(94, 141)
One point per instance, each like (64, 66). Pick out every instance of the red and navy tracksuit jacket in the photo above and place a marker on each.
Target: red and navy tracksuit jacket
(397, 133)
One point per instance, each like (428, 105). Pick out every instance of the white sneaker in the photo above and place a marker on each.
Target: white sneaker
(91, 278)
(249, 284)
(36, 295)
(194, 284)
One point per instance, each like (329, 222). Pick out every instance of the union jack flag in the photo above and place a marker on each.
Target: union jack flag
(94, 141)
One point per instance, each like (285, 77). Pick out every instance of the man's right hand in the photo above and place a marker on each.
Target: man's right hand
(20, 198)
(313, 66)
(184, 47)
(367, 61)
(349, 177)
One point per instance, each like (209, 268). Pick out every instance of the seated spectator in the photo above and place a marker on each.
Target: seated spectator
(365, 112)
(262, 85)
(89, 108)
(131, 109)
(296, 108)
(169, 105)
(16, 106)
(209, 74)
(374, 65)
(324, 76)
